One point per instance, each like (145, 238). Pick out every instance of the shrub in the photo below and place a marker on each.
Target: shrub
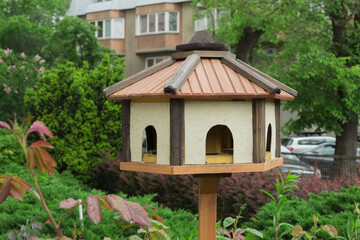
(15, 213)
(178, 192)
(71, 103)
(10, 150)
(330, 208)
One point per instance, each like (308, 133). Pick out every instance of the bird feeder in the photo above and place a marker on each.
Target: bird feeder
(201, 112)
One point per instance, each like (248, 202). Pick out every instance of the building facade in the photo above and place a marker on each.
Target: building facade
(144, 32)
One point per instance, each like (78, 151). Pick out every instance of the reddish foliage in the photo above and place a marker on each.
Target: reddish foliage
(178, 192)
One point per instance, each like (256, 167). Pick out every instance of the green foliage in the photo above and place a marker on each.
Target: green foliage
(71, 103)
(284, 189)
(73, 39)
(331, 208)
(14, 213)
(17, 73)
(237, 233)
(10, 150)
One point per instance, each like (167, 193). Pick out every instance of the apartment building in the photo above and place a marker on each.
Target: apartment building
(143, 31)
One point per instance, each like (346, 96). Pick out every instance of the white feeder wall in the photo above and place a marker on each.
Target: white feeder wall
(143, 114)
(201, 116)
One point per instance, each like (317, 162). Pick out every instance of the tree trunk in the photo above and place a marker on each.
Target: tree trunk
(246, 44)
(346, 145)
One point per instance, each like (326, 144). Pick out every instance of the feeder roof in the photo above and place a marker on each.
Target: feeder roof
(204, 69)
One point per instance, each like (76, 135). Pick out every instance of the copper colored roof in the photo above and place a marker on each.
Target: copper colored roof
(200, 74)
(210, 79)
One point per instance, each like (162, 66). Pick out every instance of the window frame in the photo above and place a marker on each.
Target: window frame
(112, 28)
(139, 31)
(154, 59)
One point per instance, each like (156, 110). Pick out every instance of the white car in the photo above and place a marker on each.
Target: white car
(304, 144)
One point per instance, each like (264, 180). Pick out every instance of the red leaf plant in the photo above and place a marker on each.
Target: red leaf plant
(38, 157)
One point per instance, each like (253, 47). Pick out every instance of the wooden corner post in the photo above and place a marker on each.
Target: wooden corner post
(176, 132)
(258, 110)
(125, 117)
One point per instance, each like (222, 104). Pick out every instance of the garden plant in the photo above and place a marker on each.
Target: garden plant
(36, 156)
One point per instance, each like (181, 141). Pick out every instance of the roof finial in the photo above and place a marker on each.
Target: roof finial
(202, 41)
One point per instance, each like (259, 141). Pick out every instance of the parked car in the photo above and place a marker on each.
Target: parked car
(295, 165)
(321, 157)
(303, 144)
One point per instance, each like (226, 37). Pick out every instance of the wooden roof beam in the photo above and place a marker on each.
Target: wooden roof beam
(137, 77)
(182, 74)
(270, 79)
(251, 75)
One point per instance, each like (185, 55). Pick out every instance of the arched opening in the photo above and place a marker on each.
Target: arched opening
(219, 145)
(268, 143)
(149, 145)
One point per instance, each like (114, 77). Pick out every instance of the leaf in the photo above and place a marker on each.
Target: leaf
(129, 210)
(134, 237)
(39, 127)
(5, 125)
(123, 223)
(254, 231)
(296, 230)
(228, 222)
(17, 189)
(4, 188)
(41, 144)
(26, 119)
(93, 209)
(225, 233)
(157, 217)
(315, 219)
(158, 234)
(158, 225)
(68, 203)
(330, 230)
(299, 235)
(30, 159)
(104, 203)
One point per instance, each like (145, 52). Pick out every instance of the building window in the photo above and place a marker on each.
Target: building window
(270, 51)
(154, 60)
(110, 28)
(153, 23)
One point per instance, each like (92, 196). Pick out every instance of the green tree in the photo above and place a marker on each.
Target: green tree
(244, 24)
(25, 25)
(70, 102)
(323, 50)
(73, 39)
(320, 58)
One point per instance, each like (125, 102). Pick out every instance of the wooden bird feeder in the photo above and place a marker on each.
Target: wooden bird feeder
(201, 112)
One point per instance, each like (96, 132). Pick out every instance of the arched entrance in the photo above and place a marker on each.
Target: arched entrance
(149, 145)
(219, 145)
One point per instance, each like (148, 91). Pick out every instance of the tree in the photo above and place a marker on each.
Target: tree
(320, 58)
(25, 25)
(324, 53)
(17, 73)
(243, 23)
(73, 39)
(70, 102)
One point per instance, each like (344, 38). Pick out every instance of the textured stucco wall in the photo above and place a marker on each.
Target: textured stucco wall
(200, 116)
(142, 115)
(270, 119)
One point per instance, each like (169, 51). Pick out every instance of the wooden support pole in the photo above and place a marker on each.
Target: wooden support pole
(208, 188)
